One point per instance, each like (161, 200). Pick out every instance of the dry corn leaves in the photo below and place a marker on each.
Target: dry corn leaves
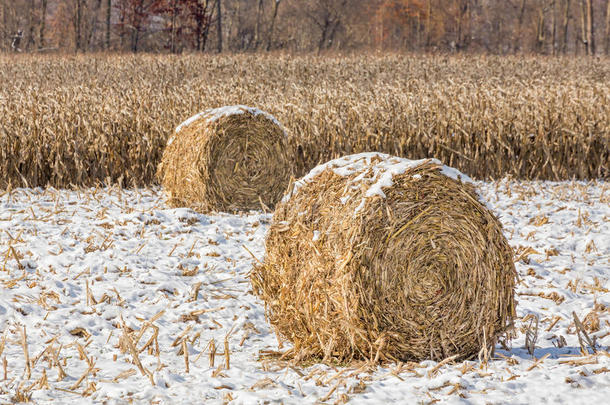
(551, 123)
(539, 220)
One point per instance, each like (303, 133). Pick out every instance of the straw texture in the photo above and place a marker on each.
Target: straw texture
(226, 159)
(385, 259)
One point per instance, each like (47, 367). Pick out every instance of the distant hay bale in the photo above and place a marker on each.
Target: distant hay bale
(226, 159)
(386, 259)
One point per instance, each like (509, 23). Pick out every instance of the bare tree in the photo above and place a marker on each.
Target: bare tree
(583, 26)
(219, 24)
(43, 21)
(307, 25)
(519, 31)
(94, 15)
(257, 25)
(462, 19)
(199, 14)
(78, 25)
(327, 17)
(135, 16)
(173, 26)
(108, 19)
(540, 30)
(566, 22)
(590, 27)
(428, 24)
(3, 22)
(31, 11)
(276, 7)
(607, 27)
(554, 27)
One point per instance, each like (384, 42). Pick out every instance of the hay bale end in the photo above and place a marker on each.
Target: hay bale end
(385, 259)
(232, 158)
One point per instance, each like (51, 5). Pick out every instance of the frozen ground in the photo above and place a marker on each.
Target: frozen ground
(102, 291)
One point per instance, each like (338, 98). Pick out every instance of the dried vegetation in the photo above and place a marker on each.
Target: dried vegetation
(61, 283)
(88, 119)
(226, 162)
(422, 273)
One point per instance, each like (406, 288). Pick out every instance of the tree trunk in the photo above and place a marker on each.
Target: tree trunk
(233, 28)
(135, 41)
(427, 27)
(3, 22)
(554, 28)
(333, 33)
(138, 26)
(219, 24)
(204, 40)
(257, 26)
(607, 27)
(418, 30)
(540, 31)
(43, 20)
(135, 35)
(108, 18)
(205, 20)
(566, 22)
(468, 14)
(94, 21)
(323, 35)
(135, 38)
(517, 38)
(590, 27)
(172, 39)
(583, 25)
(272, 25)
(77, 25)
(458, 39)
(30, 32)
(198, 26)
(122, 29)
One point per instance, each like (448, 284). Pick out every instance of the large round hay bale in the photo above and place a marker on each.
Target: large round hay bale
(381, 258)
(226, 159)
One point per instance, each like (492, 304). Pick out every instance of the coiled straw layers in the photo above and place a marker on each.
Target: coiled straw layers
(226, 159)
(381, 258)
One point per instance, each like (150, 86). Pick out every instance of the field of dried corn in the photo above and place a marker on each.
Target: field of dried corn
(85, 120)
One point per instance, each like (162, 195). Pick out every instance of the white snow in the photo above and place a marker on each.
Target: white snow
(141, 260)
(384, 168)
(215, 114)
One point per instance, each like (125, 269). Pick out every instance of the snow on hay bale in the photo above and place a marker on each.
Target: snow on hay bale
(226, 159)
(376, 257)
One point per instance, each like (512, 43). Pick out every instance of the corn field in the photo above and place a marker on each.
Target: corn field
(85, 120)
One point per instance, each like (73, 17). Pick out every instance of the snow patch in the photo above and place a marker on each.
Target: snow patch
(111, 243)
(384, 170)
(215, 114)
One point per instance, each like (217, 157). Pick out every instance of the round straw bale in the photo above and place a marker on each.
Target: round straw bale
(226, 159)
(386, 259)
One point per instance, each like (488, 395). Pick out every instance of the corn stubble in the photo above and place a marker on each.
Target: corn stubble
(106, 118)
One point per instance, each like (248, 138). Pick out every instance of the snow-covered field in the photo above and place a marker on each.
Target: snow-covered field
(103, 291)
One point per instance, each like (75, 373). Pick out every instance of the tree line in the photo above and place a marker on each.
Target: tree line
(176, 26)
